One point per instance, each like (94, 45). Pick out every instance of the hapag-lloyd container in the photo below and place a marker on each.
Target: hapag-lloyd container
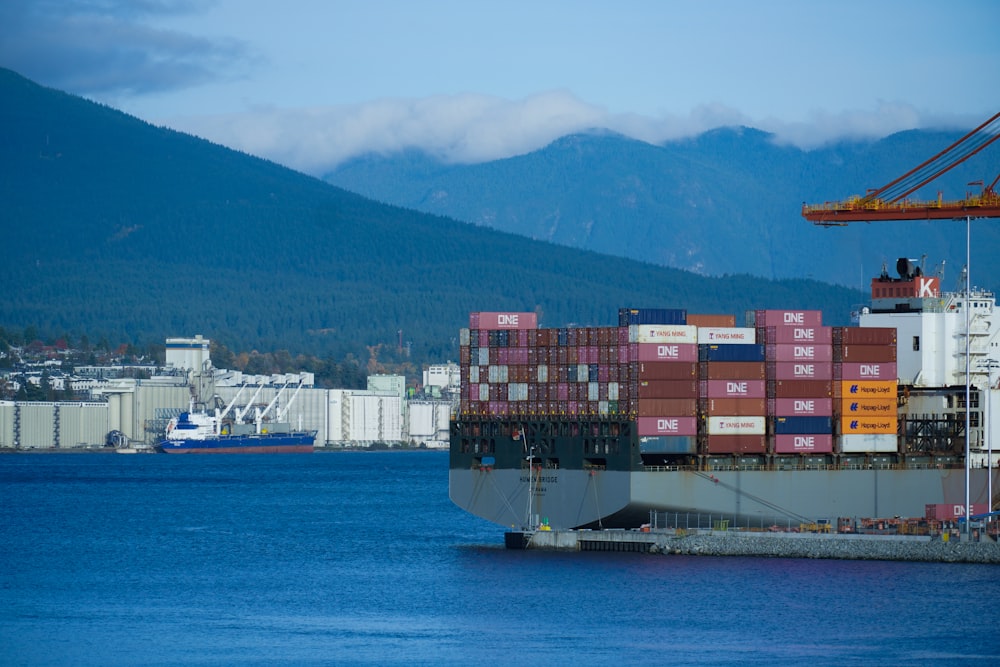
(737, 425)
(867, 442)
(667, 370)
(734, 388)
(878, 407)
(735, 406)
(886, 370)
(868, 389)
(803, 443)
(799, 352)
(733, 370)
(788, 318)
(663, 333)
(727, 336)
(736, 444)
(802, 407)
(668, 352)
(667, 425)
(802, 370)
(795, 335)
(488, 320)
(875, 425)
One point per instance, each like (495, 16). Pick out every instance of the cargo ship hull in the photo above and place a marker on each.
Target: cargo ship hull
(284, 443)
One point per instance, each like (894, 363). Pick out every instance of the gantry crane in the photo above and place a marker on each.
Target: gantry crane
(890, 201)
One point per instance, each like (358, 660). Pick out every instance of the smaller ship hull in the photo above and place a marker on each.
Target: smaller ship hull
(291, 443)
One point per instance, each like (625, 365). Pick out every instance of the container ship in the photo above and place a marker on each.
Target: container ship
(779, 421)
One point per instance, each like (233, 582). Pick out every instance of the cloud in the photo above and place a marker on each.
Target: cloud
(471, 128)
(103, 48)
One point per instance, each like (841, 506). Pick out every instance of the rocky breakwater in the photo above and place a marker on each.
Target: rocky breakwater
(847, 547)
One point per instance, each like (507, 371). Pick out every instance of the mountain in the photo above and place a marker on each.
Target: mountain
(117, 228)
(727, 201)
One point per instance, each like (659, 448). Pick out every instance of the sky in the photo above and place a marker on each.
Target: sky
(312, 83)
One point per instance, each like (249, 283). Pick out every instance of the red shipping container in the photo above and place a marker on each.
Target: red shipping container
(653, 407)
(734, 388)
(667, 425)
(733, 370)
(801, 388)
(795, 335)
(736, 444)
(684, 352)
(668, 389)
(952, 511)
(817, 443)
(865, 335)
(802, 407)
(788, 318)
(667, 370)
(803, 370)
(799, 352)
(864, 353)
(735, 406)
(886, 370)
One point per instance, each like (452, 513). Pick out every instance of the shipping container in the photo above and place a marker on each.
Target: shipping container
(867, 442)
(803, 443)
(732, 370)
(667, 425)
(953, 511)
(733, 388)
(663, 370)
(868, 389)
(795, 335)
(685, 352)
(787, 318)
(798, 425)
(732, 353)
(886, 370)
(722, 321)
(735, 406)
(665, 444)
(726, 336)
(630, 316)
(800, 389)
(801, 370)
(663, 333)
(799, 352)
(737, 425)
(850, 424)
(801, 407)
(736, 444)
(865, 335)
(667, 389)
(503, 320)
(864, 353)
(873, 407)
(654, 407)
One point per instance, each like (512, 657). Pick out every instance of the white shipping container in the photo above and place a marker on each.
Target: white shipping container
(484, 356)
(582, 373)
(727, 336)
(474, 374)
(855, 443)
(739, 425)
(612, 391)
(464, 338)
(543, 373)
(593, 391)
(662, 333)
(484, 392)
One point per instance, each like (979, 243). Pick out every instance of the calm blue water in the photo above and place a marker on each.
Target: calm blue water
(361, 559)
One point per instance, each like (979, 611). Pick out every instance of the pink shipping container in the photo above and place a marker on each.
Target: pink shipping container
(667, 425)
(818, 443)
(799, 352)
(503, 320)
(734, 388)
(788, 318)
(736, 444)
(795, 335)
(801, 407)
(668, 352)
(803, 370)
(952, 511)
(886, 370)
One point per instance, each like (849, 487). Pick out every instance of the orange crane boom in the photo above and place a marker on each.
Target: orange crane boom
(890, 201)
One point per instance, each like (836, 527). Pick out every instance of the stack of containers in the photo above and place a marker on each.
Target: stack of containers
(665, 350)
(865, 369)
(800, 370)
(732, 390)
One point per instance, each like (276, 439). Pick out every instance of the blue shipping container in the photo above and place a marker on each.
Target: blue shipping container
(629, 316)
(732, 352)
(801, 425)
(668, 444)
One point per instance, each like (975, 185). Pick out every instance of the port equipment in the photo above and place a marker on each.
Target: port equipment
(890, 202)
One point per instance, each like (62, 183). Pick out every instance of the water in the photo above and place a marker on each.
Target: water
(353, 558)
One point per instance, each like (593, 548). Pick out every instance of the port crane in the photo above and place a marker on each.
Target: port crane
(890, 202)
